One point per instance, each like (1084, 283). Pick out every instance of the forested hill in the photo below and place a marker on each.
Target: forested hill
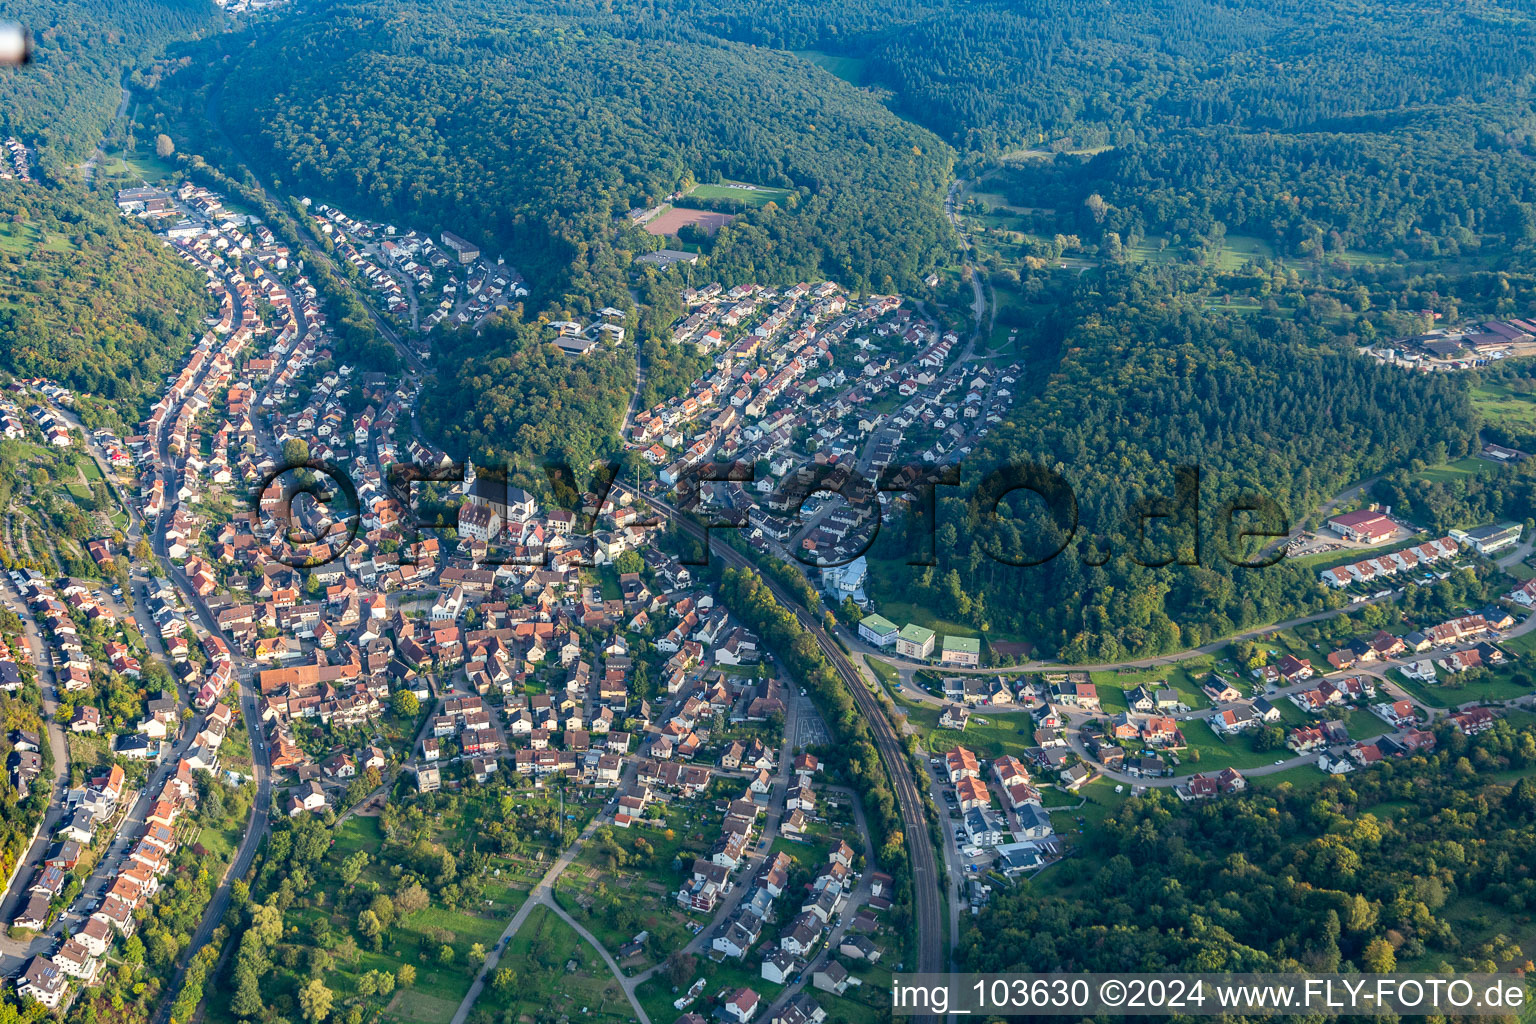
(996, 74)
(1417, 866)
(66, 97)
(1146, 383)
(91, 300)
(533, 134)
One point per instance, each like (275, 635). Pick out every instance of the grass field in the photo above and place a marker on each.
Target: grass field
(18, 239)
(1522, 644)
(1217, 752)
(1363, 725)
(26, 238)
(645, 891)
(558, 976)
(1304, 778)
(885, 673)
(1237, 251)
(1505, 408)
(741, 192)
(413, 939)
(849, 69)
(1500, 686)
(1184, 677)
(1458, 470)
(657, 993)
(1024, 153)
(1083, 826)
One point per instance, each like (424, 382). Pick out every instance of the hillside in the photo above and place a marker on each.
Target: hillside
(66, 97)
(1418, 868)
(90, 300)
(534, 134)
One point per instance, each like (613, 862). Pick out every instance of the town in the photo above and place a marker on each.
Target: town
(274, 664)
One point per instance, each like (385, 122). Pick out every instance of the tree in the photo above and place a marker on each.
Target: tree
(680, 967)
(405, 704)
(247, 1001)
(1270, 737)
(412, 898)
(164, 147)
(445, 954)
(1379, 958)
(504, 979)
(315, 1001)
(372, 929)
(353, 866)
(405, 975)
(476, 955)
(295, 451)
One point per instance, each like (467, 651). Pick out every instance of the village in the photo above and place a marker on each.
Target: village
(405, 271)
(1013, 752)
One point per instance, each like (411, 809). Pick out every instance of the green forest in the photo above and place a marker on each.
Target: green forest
(1142, 384)
(506, 397)
(66, 98)
(91, 300)
(534, 134)
(1415, 865)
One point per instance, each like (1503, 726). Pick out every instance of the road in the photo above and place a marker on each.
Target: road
(839, 925)
(979, 304)
(15, 896)
(88, 169)
(259, 823)
(906, 667)
(257, 826)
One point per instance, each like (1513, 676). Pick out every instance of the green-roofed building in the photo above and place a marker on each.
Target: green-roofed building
(914, 641)
(960, 650)
(878, 630)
